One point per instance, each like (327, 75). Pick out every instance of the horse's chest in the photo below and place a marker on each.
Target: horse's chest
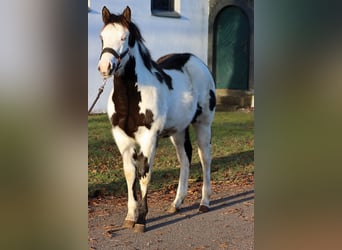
(129, 114)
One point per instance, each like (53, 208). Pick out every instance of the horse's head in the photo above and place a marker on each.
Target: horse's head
(115, 37)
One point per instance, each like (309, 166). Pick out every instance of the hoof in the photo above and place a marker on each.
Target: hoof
(128, 224)
(173, 210)
(203, 209)
(139, 228)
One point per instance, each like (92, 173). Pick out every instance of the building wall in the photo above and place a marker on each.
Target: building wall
(189, 33)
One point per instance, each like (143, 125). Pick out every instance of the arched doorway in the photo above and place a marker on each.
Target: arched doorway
(231, 54)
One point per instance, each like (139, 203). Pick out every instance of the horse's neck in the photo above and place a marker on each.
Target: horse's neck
(142, 58)
(136, 68)
(148, 71)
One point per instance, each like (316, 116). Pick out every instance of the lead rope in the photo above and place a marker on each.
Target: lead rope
(98, 95)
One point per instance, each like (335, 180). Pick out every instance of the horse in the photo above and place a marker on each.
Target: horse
(151, 100)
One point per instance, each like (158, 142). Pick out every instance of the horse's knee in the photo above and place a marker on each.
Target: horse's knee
(141, 164)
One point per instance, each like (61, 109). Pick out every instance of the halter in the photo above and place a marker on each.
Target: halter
(114, 53)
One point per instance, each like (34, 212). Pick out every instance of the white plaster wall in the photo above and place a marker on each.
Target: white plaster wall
(162, 35)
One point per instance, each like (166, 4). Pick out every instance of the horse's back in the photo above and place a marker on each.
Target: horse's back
(188, 63)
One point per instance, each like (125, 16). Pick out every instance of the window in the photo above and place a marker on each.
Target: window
(164, 8)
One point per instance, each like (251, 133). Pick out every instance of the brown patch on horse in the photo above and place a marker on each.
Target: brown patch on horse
(149, 64)
(199, 111)
(126, 98)
(162, 76)
(174, 61)
(212, 100)
(187, 145)
(141, 164)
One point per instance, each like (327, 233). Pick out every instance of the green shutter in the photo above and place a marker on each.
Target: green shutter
(232, 49)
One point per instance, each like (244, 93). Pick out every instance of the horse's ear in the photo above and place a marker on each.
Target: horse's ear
(105, 15)
(127, 14)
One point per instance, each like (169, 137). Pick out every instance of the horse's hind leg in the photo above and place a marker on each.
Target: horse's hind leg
(184, 152)
(203, 133)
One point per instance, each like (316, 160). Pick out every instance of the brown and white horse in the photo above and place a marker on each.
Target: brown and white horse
(152, 100)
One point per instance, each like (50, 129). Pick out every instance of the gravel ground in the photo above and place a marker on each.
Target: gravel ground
(228, 225)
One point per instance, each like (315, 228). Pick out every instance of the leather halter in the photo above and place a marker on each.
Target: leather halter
(114, 53)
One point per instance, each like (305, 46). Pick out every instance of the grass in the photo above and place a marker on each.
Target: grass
(232, 153)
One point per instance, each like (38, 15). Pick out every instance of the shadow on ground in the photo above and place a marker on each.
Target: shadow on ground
(214, 205)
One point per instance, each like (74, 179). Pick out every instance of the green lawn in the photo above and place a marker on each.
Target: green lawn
(232, 152)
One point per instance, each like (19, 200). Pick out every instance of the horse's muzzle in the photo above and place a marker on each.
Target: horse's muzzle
(106, 69)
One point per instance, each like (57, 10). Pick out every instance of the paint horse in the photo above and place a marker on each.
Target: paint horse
(152, 100)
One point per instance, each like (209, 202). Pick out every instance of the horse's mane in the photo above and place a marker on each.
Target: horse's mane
(135, 34)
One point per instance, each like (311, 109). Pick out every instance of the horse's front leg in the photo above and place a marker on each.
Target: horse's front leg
(126, 147)
(144, 160)
(130, 175)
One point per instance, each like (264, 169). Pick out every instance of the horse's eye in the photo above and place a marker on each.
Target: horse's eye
(123, 38)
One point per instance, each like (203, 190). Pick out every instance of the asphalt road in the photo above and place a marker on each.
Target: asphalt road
(228, 225)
